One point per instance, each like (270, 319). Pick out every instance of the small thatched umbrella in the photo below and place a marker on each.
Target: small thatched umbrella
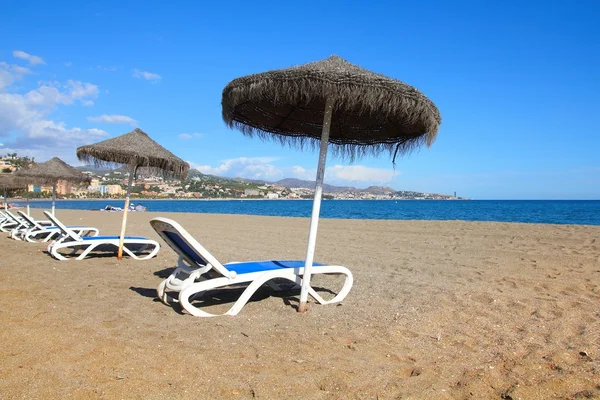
(134, 149)
(334, 102)
(10, 182)
(52, 171)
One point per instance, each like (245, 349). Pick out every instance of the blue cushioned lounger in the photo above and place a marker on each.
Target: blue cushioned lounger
(199, 272)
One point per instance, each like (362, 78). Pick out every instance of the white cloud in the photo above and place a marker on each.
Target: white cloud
(79, 89)
(67, 154)
(149, 76)
(188, 136)
(111, 69)
(25, 122)
(114, 119)
(11, 73)
(68, 64)
(33, 60)
(359, 174)
(53, 93)
(244, 167)
(21, 70)
(299, 172)
(263, 168)
(6, 78)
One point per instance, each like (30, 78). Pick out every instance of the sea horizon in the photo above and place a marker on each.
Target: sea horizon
(22, 199)
(577, 212)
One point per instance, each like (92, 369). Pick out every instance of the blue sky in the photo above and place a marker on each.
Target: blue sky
(516, 82)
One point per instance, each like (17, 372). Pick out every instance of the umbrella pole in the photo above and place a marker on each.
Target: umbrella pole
(28, 213)
(53, 197)
(125, 211)
(5, 201)
(314, 220)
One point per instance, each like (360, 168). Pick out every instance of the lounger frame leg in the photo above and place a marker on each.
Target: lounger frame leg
(176, 283)
(89, 247)
(198, 288)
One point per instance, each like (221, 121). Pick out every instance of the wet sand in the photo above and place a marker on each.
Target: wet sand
(439, 310)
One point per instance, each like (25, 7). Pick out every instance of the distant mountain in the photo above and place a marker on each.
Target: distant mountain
(381, 190)
(195, 174)
(298, 183)
(123, 169)
(287, 182)
(291, 183)
(94, 169)
(254, 181)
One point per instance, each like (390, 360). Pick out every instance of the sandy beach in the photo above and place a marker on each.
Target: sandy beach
(439, 310)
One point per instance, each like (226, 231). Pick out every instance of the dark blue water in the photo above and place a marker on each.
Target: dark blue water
(583, 212)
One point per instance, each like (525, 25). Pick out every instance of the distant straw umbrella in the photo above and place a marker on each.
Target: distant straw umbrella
(10, 182)
(332, 102)
(134, 149)
(23, 183)
(52, 171)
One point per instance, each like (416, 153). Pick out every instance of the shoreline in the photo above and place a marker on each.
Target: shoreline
(154, 213)
(19, 200)
(554, 212)
(245, 199)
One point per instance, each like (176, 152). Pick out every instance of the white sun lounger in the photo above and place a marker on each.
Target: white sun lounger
(199, 272)
(40, 233)
(10, 222)
(7, 222)
(20, 225)
(138, 248)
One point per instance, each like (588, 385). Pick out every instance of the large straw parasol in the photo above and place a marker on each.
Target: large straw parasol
(332, 101)
(134, 149)
(50, 172)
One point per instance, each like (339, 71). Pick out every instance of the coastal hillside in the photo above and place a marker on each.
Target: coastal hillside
(200, 185)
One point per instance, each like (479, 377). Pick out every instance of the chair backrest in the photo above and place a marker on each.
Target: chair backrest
(186, 246)
(11, 216)
(20, 223)
(65, 231)
(32, 222)
(4, 219)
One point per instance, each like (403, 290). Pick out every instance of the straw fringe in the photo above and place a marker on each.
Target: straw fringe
(137, 150)
(52, 171)
(372, 113)
(11, 182)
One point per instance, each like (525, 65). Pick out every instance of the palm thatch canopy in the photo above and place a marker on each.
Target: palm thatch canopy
(134, 149)
(52, 171)
(371, 113)
(10, 182)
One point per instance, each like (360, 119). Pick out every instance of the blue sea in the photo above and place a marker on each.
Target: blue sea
(582, 212)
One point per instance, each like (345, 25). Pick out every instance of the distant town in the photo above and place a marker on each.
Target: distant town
(112, 183)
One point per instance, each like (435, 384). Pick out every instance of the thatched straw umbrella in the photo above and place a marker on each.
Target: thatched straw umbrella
(134, 149)
(15, 182)
(10, 182)
(50, 172)
(332, 102)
